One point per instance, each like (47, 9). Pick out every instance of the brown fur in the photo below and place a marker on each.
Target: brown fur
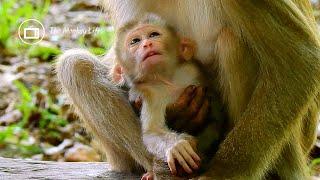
(267, 56)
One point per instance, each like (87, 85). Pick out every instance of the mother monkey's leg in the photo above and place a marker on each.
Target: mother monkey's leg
(104, 109)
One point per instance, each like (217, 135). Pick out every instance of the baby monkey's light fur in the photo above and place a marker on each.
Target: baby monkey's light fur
(160, 91)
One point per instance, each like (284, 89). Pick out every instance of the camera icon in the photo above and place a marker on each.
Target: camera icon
(31, 33)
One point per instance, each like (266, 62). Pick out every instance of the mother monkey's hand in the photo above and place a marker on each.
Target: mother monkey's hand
(189, 113)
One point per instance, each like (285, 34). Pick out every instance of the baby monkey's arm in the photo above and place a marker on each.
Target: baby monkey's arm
(165, 144)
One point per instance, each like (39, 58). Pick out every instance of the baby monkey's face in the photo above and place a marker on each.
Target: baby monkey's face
(151, 49)
(146, 45)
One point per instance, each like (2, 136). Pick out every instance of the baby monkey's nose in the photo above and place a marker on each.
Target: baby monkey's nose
(147, 43)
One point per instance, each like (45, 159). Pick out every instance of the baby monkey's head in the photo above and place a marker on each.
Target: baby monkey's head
(149, 49)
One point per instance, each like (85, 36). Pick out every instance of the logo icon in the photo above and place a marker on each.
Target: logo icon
(31, 31)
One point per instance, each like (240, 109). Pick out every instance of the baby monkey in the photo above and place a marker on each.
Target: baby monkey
(156, 64)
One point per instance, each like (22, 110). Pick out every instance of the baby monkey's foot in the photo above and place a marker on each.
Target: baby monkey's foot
(147, 176)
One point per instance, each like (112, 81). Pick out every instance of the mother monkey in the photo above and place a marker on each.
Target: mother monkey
(267, 57)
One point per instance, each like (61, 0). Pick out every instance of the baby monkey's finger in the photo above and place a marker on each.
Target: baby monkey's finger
(187, 157)
(171, 164)
(193, 154)
(182, 162)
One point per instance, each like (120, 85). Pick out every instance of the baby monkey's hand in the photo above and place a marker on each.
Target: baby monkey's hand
(183, 152)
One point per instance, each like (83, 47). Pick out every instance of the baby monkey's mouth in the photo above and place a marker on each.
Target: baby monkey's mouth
(149, 54)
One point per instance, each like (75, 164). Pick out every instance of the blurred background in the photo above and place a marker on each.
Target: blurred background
(36, 121)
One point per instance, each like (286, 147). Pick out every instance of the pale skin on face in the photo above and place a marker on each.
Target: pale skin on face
(147, 48)
(143, 40)
(151, 47)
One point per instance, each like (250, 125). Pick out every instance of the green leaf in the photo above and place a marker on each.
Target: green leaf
(315, 162)
(97, 50)
(43, 51)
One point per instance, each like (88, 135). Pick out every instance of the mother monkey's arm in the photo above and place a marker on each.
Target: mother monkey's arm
(268, 57)
(281, 38)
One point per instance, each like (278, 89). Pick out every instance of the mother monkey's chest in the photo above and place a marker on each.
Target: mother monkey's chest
(198, 20)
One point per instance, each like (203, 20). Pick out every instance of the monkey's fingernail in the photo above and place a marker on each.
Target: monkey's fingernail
(198, 158)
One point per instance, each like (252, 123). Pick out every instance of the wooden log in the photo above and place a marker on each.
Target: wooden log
(28, 169)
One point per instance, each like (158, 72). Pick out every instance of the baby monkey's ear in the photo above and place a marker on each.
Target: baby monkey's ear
(117, 74)
(187, 49)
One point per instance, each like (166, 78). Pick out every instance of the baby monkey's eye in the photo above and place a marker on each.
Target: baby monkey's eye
(154, 34)
(134, 41)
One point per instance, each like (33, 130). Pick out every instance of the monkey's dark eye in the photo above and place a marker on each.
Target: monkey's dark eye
(154, 34)
(135, 41)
